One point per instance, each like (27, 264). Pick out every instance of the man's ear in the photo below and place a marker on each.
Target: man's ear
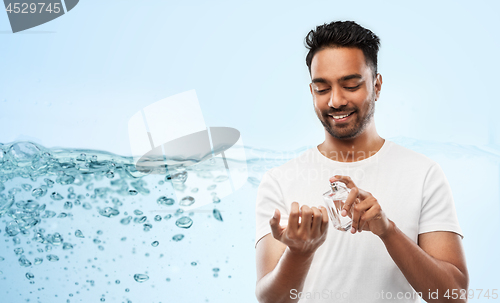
(378, 86)
(311, 88)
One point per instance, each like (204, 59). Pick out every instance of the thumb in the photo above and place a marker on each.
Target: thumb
(276, 229)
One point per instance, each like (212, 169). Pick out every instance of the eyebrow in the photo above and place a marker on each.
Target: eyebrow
(345, 78)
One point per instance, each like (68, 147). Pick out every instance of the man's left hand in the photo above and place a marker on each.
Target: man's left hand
(367, 213)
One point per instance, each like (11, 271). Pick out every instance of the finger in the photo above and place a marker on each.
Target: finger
(356, 214)
(372, 214)
(316, 221)
(351, 198)
(276, 229)
(363, 194)
(344, 179)
(324, 222)
(293, 218)
(305, 225)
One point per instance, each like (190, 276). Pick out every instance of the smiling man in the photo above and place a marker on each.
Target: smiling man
(411, 246)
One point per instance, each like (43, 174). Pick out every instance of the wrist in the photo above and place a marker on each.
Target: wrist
(300, 254)
(390, 231)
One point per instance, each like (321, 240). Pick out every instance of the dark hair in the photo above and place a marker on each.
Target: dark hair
(343, 34)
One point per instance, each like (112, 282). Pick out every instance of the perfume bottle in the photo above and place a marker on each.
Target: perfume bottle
(335, 199)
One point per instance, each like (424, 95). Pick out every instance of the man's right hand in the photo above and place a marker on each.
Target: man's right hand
(304, 237)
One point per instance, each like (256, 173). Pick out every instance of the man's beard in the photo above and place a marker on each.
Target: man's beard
(357, 127)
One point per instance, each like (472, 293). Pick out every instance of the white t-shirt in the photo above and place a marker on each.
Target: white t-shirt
(412, 191)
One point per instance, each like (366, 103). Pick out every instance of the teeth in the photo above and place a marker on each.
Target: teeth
(340, 117)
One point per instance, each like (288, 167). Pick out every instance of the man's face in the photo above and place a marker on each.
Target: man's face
(342, 84)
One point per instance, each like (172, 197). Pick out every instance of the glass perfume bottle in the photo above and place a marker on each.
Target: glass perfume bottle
(335, 199)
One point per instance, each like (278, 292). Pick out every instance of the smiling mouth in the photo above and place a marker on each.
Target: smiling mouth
(341, 118)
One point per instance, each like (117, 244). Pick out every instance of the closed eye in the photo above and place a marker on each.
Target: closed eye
(322, 91)
(353, 87)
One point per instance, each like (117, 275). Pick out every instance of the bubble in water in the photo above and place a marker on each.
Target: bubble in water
(165, 201)
(155, 243)
(133, 192)
(139, 186)
(31, 205)
(217, 214)
(194, 263)
(12, 228)
(5, 203)
(55, 239)
(109, 212)
(126, 220)
(49, 214)
(211, 187)
(158, 218)
(39, 192)
(215, 269)
(117, 281)
(141, 278)
(52, 258)
(19, 251)
(42, 208)
(1, 259)
(110, 175)
(65, 179)
(79, 234)
(56, 196)
(186, 201)
(67, 246)
(16, 240)
(138, 212)
(38, 261)
(167, 217)
(49, 182)
(216, 199)
(184, 222)
(194, 190)
(68, 205)
(23, 261)
(180, 177)
(30, 275)
(147, 227)
(23, 152)
(86, 205)
(140, 219)
(39, 237)
(178, 237)
(26, 187)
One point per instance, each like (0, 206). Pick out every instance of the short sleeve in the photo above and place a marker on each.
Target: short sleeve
(269, 198)
(438, 208)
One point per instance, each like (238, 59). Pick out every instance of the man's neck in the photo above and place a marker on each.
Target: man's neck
(351, 150)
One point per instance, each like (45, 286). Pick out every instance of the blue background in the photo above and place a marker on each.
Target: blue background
(75, 82)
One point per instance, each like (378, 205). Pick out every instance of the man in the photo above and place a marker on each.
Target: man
(411, 244)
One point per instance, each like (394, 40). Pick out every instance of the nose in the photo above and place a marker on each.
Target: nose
(337, 98)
